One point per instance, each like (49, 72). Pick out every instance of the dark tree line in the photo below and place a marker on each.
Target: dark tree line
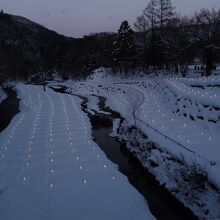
(161, 40)
(27, 48)
(172, 42)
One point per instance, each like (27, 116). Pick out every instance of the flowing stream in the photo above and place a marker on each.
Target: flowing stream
(8, 108)
(162, 204)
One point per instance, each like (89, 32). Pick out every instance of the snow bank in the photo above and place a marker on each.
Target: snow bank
(50, 167)
(3, 95)
(181, 115)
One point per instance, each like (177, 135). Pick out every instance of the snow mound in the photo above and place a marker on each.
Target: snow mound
(3, 95)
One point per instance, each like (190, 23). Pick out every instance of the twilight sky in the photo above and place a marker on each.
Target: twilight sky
(79, 17)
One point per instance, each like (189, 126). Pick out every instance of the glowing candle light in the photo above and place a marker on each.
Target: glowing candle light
(52, 170)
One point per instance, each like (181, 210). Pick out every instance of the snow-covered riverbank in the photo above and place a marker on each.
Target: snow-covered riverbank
(51, 168)
(179, 116)
(48, 155)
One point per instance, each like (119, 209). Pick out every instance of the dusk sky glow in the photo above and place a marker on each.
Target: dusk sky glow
(79, 17)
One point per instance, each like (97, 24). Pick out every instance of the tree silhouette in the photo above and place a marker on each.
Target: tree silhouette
(124, 47)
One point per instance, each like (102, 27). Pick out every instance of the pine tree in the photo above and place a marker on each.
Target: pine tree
(124, 47)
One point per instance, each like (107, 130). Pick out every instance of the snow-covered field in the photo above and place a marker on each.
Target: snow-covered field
(3, 95)
(178, 108)
(50, 167)
(180, 115)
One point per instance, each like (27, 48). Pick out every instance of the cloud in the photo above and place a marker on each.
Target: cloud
(110, 17)
(64, 11)
(48, 14)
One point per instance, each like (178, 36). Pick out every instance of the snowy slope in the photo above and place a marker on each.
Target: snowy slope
(181, 115)
(171, 106)
(50, 168)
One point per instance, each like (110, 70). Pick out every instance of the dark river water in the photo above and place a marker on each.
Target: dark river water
(8, 108)
(162, 204)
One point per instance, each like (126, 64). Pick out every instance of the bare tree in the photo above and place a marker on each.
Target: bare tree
(150, 14)
(164, 12)
(178, 46)
(142, 25)
(206, 33)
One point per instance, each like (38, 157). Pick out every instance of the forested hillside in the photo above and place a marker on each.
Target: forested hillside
(162, 40)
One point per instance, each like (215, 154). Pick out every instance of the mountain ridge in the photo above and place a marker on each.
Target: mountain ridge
(29, 47)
